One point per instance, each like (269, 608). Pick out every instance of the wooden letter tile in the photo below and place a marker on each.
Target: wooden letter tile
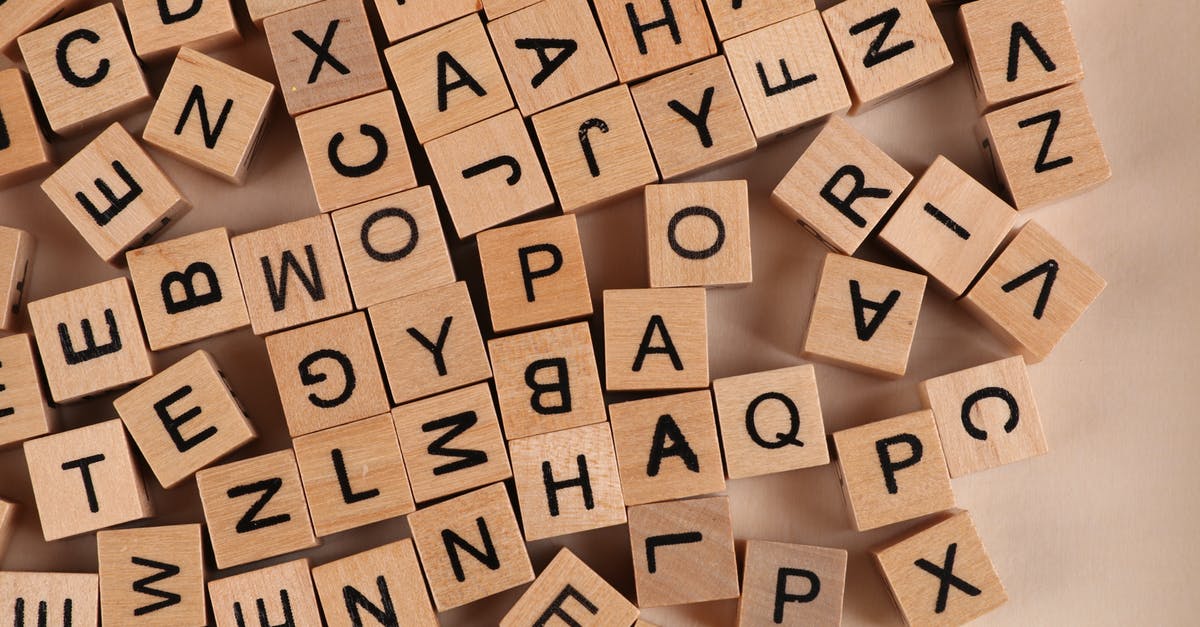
(260, 10)
(24, 153)
(18, 18)
(471, 547)
(791, 584)
(646, 37)
(698, 234)
(24, 595)
(16, 255)
(386, 579)
(735, 17)
(159, 29)
(22, 402)
(655, 339)
(683, 552)
(495, 9)
(569, 591)
(152, 576)
(404, 19)
(266, 596)
(8, 524)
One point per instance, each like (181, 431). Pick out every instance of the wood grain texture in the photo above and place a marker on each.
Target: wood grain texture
(700, 566)
(698, 234)
(384, 574)
(212, 26)
(16, 255)
(26, 154)
(642, 44)
(56, 590)
(404, 19)
(172, 556)
(567, 575)
(733, 17)
(260, 10)
(497, 8)
(235, 598)
(637, 322)
(8, 523)
(18, 18)
(791, 584)
(22, 394)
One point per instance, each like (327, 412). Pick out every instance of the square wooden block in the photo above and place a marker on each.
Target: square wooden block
(567, 481)
(61, 594)
(85, 479)
(16, 255)
(8, 523)
(949, 225)
(841, 187)
(570, 591)
(353, 475)
(683, 552)
(159, 30)
(265, 596)
(942, 575)
(324, 54)
(735, 17)
(23, 410)
(386, 579)
(429, 342)
(595, 149)
(448, 78)
(655, 339)
(255, 509)
(489, 173)
(144, 202)
(152, 576)
(302, 255)
(893, 470)
(25, 154)
(646, 37)
(864, 316)
(18, 18)
(451, 442)
(327, 374)
(788, 75)
(791, 584)
(404, 19)
(184, 418)
(551, 52)
(84, 70)
(1046, 148)
(1034, 292)
(470, 547)
(210, 115)
(698, 234)
(260, 10)
(534, 273)
(667, 447)
(67, 327)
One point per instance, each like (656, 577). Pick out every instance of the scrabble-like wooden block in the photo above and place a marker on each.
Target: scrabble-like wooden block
(327, 374)
(655, 339)
(567, 481)
(646, 37)
(184, 418)
(159, 29)
(942, 575)
(353, 475)
(735, 17)
(886, 47)
(489, 173)
(534, 273)
(24, 153)
(470, 547)
(18, 18)
(547, 380)
(569, 591)
(451, 442)
(144, 202)
(893, 470)
(841, 187)
(429, 342)
(948, 226)
(788, 75)
(385, 583)
(210, 115)
(448, 78)
(1018, 49)
(864, 316)
(265, 596)
(1034, 292)
(1046, 148)
(404, 19)
(49, 598)
(683, 552)
(302, 255)
(8, 523)
(254, 509)
(694, 118)
(67, 327)
(667, 447)
(595, 149)
(495, 9)
(23, 410)
(85, 479)
(260, 10)
(356, 151)
(324, 54)
(16, 255)
(698, 234)
(551, 52)
(791, 584)
(152, 576)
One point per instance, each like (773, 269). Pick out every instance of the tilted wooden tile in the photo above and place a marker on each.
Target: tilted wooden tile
(893, 470)
(260, 10)
(470, 547)
(595, 149)
(74, 368)
(698, 234)
(85, 479)
(646, 37)
(327, 374)
(683, 552)
(864, 316)
(429, 342)
(283, 592)
(841, 187)
(210, 115)
(48, 598)
(152, 576)
(24, 153)
(385, 583)
(144, 203)
(18, 18)
(735, 17)
(184, 418)
(569, 591)
(489, 173)
(1034, 292)
(23, 410)
(567, 481)
(791, 584)
(497, 8)
(8, 523)
(404, 19)
(159, 30)
(655, 339)
(254, 509)
(788, 75)
(16, 255)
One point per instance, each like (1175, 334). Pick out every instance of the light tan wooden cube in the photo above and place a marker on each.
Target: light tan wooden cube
(16, 255)
(683, 552)
(698, 234)
(152, 576)
(48, 598)
(655, 339)
(404, 19)
(24, 413)
(791, 584)
(569, 591)
(18, 18)
(159, 30)
(24, 152)
(8, 523)
(390, 573)
(736, 17)
(260, 10)
(646, 37)
(495, 9)
(260, 597)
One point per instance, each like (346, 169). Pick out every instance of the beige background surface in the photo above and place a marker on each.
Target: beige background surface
(1102, 531)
